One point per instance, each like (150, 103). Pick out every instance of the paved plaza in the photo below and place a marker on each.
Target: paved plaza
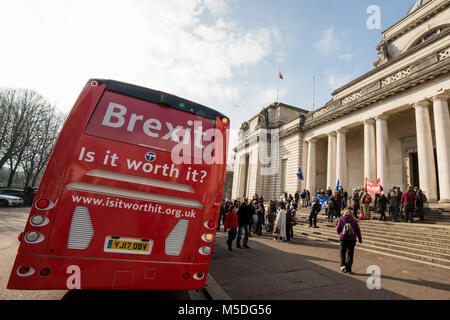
(309, 269)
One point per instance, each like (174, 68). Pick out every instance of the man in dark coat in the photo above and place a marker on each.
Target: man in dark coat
(288, 223)
(245, 216)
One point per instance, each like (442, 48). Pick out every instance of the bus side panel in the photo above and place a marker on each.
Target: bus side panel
(216, 184)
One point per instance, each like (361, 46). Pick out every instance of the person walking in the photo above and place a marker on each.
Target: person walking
(314, 211)
(408, 200)
(280, 224)
(245, 216)
(382, 202)
(231, 225)
(260, 219)
(348, 230)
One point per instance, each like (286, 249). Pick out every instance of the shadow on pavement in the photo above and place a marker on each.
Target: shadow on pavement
(280, 270)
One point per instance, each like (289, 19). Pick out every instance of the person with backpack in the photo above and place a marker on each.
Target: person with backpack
(348, 230)
(366, 200)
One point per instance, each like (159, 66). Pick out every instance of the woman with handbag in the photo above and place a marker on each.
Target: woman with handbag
(280, 224)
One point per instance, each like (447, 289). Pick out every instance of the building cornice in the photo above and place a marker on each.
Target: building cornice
(419, 71)
(417, 17)
(390, 63)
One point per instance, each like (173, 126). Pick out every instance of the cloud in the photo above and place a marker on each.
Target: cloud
(346, 57)
(328, 42)
(55, 46)
(335, 81)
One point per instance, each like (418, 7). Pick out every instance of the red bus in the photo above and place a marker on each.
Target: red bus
(130, 197)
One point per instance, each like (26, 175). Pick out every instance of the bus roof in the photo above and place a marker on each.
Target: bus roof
(160, 97)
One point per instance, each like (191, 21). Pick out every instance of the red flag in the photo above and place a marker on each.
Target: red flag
(373, 187)
(281, 75)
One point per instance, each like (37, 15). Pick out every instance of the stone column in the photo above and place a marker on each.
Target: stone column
(304, 165)
(331, 162)
(341, 159)
(442, 131)
(311, 167)
(382, 151)
(425, 151)
(370, 169)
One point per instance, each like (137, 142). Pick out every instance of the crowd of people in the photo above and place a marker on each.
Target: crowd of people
(243, 218)
(400, 205)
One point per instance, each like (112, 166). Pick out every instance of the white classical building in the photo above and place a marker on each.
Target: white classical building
(391, 123)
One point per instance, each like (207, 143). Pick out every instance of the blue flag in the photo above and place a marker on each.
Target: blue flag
(323, 200)
(337, 186)
(300, 173)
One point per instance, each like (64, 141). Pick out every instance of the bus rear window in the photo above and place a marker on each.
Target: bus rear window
(130, 120)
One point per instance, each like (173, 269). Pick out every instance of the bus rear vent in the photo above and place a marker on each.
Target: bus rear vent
(175, 240)
(81, 231)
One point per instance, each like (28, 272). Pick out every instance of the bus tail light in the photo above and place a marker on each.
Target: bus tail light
(205, 250)
(208, 237)
(210, 224)
(34, 237)
(42, 204)
(37, 219)
(25, 271)
(199, 276)
(186, 276)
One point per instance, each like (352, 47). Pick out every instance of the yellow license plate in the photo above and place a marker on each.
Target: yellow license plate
(128, 245)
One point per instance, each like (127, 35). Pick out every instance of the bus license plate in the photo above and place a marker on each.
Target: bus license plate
(128, 245)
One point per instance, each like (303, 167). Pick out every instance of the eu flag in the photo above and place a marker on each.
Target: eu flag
(300, 173)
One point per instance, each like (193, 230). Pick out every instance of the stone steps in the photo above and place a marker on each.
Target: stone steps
(422, 243)
(438, 251)
(414, 228)
(394, 238)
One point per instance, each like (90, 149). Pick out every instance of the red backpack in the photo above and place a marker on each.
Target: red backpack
(367, 199)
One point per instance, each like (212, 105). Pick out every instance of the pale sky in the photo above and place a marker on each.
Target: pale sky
(224, 54)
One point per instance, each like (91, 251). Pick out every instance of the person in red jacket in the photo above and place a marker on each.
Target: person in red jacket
(231, 225)
(409, 201)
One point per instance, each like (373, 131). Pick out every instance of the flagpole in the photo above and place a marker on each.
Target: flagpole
(314, 91)
(278, 82)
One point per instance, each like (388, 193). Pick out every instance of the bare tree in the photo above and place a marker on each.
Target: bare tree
(39, 150)
(29, 126)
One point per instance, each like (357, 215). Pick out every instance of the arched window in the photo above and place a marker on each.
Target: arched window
(430, 35)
